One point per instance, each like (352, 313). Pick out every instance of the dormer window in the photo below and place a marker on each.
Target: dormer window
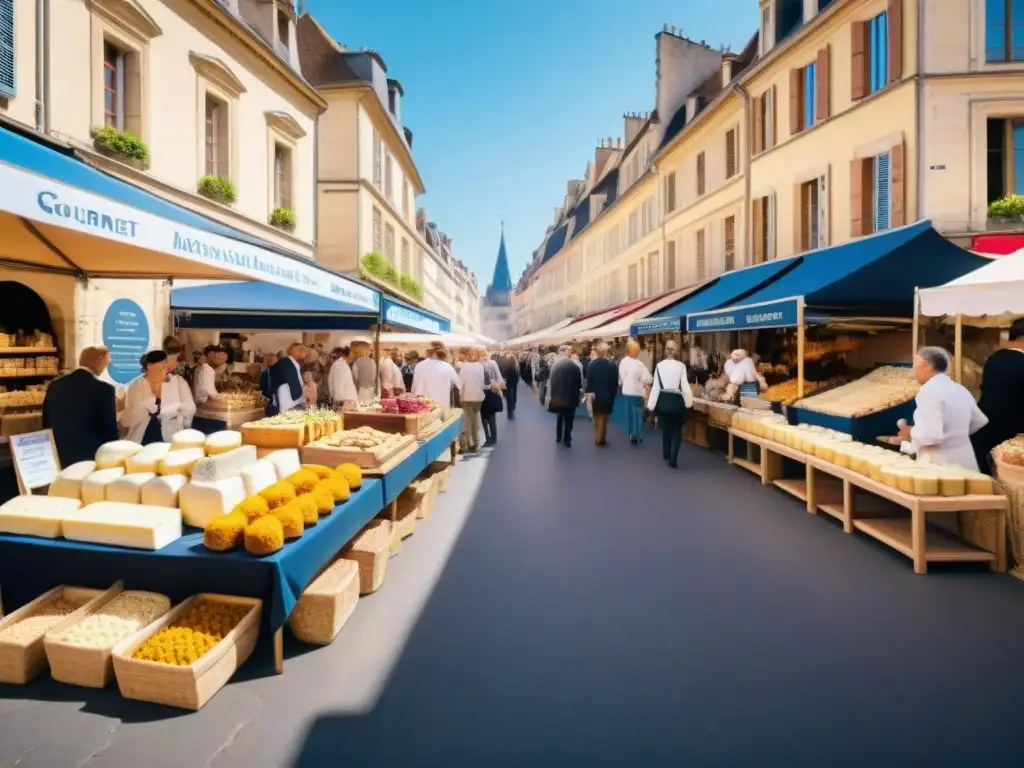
(282, 28)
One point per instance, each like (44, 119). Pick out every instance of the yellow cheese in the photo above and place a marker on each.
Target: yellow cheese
(887, 475)
(202, 502)
(180, 462)
(124, 525)
(94, 487)
(222, 442)
(115, 453)
(128, 489)
(69, 482)
(148, 459)
(926, 483)
(980, 485)
(188, 438)
(952, 484)
(163, 491)
(36, 515)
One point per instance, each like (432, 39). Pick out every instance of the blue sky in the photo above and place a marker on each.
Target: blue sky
(507, 100)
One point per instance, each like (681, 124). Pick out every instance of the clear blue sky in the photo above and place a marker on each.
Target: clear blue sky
(508, 100)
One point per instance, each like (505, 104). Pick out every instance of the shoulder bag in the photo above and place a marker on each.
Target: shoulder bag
(670, 403)
(492, 400)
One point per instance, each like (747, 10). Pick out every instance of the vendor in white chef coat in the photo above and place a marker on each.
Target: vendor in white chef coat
(946, 415)
(156, 406)
(741, 371)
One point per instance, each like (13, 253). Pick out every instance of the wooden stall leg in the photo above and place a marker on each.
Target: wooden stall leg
(393, 511)
(455, 452)
(999, 565)
(848, 502)
(771, 466)
(279, 652)
(918, 545)
(732, 448)
(812, 502)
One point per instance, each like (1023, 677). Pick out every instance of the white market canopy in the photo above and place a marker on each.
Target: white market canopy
(537, 335)
(996, 290)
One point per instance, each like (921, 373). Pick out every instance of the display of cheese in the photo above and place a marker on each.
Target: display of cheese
(116, 453)
(259, 476)
(69, 480)
(124, 525)
(180, 462)
(94, 487)
(285, 461)
(201, 502)
(128, 489)
(224, 465)
(188, 438)
(883, 388)
(36, 515)
(163, 491)
(148, 459)
(222, 442)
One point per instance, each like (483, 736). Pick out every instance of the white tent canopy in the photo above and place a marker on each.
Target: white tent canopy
(995, 290)
(537, 335)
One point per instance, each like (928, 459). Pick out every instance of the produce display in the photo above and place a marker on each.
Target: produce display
(41, 620)
(291, 429)
(407, 414)
(883, 388)
(185, 641)
(125, 615)
(41, 516)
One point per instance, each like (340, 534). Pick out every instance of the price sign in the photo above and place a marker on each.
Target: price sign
(126, 335)
(35, 460)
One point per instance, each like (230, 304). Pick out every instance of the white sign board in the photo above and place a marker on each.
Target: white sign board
(50, 202)
(35, 459)
(396, 315)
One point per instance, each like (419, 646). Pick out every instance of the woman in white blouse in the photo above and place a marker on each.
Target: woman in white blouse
(671, 397)
(634, 379)
(155, 406)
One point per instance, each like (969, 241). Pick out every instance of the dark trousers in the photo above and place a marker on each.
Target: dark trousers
(563, 429)
(490, 423)
(671, 437)
(511, 395)
(600, 428)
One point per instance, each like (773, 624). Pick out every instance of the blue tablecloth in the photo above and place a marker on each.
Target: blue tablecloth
(398, 479)
(435, 446)
(30, 566)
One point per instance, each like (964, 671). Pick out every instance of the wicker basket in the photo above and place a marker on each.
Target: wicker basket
(22, 662)
(80, 665)
(370, 550)
(327, 603)
(192, 686)
(430, 499)
(444, 470)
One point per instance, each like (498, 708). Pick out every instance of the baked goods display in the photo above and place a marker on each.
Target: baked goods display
(235, 401)
(291, 429)
(41, 365)
(786, 392)
(1011, 452)
(883, 388)
(22, 399)
(364, 446)
(35, 340)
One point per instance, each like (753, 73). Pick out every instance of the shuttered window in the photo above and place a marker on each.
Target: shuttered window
(730, 153)
(389, 243)
(406, 258)
(653, 274)
(8, 86)
(670, 266)
(702, 263)
(670, 192)
(730, 243)
(878, 46)
(632, 283)
(701, 185)
(881, 192)
(1004, 30)
(377, 225)
(810, 82)
(378, 163)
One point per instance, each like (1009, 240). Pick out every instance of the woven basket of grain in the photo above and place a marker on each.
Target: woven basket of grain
(370, 550)
(327, 603)
(1011, 478)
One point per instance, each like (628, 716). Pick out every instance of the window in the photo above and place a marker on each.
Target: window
(670, 192)
(282, 30)
(878, 45)
(700, 175)
(377, 163)
(765, 39)
(405, 198)
(113, 86)
(389, 191)
(653, 274)
(1004, 30)
(406, 258)
(881, 192)
(377, 230)
(877, 192)
(809, 214)
(282, 176)
(1005, 157)
(810, 84)
(763, 212)
(730, 153)
(389, 243)
(632, 284)
(670, 265)
(217, 138)
(730, 243)
(702, 263)
(8, 86)
(763, 129)
(877, 52)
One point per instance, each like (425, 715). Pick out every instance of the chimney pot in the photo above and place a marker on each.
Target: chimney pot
(664, 27)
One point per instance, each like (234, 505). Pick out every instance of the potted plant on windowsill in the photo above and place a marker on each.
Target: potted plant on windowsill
(1006, 212)
(283, 219)
(120, 145)
(218, 189)
(372, 264)
(411, 287)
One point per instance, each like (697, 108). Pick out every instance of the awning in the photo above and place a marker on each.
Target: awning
(406, 316)
(723, 291)
(590, 321)
(620, 326)
(60, 214)
(255, 306)
(529, 337)
(996, 289)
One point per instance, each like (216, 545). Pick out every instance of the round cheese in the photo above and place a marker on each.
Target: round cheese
(180, 462)
(188, 438)
(222, 442)
(116, 453)
(148, 459)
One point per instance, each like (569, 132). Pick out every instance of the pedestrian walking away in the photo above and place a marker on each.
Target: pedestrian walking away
(566, 382)
(602, 386)
(635, 379)
(671, 398)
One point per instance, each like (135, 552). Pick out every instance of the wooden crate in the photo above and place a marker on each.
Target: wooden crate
(399, 423)
(331, 456)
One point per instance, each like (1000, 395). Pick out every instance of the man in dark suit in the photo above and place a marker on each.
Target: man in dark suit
(602, 386)
(81, 409)
(510, 372)
(566, 381)
(1002, 384)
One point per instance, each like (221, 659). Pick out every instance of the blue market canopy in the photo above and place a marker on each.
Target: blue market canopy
(60, 214)
(255, 306)
(397, 313)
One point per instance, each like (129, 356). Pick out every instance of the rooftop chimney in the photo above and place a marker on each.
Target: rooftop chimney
(728, 60)
(634, 122)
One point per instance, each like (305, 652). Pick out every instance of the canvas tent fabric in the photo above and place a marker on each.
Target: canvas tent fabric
(995, 290)
(620, 326)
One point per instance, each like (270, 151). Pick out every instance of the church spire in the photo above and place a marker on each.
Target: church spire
(500, 290)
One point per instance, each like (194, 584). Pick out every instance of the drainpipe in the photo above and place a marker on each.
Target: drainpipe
(747, 144)
(919, 128)
(40, 65)
(316, 186)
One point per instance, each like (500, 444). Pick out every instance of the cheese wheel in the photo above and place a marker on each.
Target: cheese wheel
(979, 485)
(68, 483)
(952, 485)
(148, 459)
(94, 487)
(163, 491)
(286, 461)
(259, 476)
(188, 438)
(116, 453)
(926, 484)
(201, 502)
(222, 442)
(128, 489)
(124, 525)
(224, 465)
(36, 515)
(180, 462)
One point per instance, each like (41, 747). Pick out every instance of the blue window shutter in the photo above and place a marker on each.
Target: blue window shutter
(7, 72)
(810, 94)
(995, 29)
(882, 192)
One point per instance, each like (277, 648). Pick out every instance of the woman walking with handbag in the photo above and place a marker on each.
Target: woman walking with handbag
(671, 398)
(494, 385)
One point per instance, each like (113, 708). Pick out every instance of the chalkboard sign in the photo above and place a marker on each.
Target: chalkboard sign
(126, 335)
(35, 460)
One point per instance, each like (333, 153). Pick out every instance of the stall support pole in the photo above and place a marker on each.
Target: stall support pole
(916, 333)
(801, 332)
(958, 357)
(376, 356)
(279, 651)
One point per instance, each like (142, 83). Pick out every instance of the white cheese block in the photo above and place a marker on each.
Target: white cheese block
(128, 489)
(124, 525)
(148, 459)
(188, 438)
(180, 462)
(224, 465)
(222, 442)
(116, 453)
(69, 482)
(94, 487)
(163, 491)
(258, 476)
(201, 502)
(285, 461)
(36, 515)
